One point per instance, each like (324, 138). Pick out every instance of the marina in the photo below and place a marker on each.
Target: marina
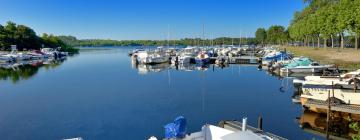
(106, 104)
(180, 70)
(202, 97)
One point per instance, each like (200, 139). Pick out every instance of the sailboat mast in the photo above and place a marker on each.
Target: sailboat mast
(203, 35)
(232, 41)
(168, 36)
(240, 39)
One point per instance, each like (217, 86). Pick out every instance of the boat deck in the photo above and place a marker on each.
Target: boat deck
(338, 107)
(237, 126)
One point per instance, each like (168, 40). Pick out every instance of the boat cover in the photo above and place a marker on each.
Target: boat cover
(300, 62)
(278, 57)
(176, 129)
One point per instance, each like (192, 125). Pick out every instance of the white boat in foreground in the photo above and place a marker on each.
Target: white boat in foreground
(230, 130)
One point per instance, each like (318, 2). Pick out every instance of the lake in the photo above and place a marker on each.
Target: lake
(99, 94)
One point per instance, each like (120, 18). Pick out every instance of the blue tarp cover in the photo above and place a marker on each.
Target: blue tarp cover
(282, 56)
(177, 129)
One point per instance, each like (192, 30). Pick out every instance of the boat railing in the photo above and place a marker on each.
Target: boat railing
(238, 126)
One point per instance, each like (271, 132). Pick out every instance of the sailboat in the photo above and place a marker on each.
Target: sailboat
(203, 57)
(158, 56)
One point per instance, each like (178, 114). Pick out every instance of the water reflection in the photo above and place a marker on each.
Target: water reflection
(316, 121)
(24, 70)
(146, 69)
(339, 122)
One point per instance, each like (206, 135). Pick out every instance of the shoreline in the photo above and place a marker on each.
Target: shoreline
(348, 58)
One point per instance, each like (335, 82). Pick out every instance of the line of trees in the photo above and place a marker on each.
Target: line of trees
(327, 20)
(25, 38)
(321, 23)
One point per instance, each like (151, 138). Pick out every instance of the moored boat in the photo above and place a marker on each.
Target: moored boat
(202, 58)
(227, 130)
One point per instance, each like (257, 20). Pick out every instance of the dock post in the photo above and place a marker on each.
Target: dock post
(328, 112)
(244, 123)
(355, 84)
(260, 123)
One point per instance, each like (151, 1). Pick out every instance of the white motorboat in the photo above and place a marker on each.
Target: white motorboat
(190, 51)
(303, 65)
(338, 95)
(18, 56)
(6, 58)
(342, 81)
(181, 59)
(232, 130)
(313, 68)
(152, 57)
(50, 52)
(202, 58)
(342, 88)
(36, 54)
(155, 58)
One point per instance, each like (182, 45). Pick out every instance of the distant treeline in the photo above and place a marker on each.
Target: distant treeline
(321, 23)
(25, 38)
(182, 42)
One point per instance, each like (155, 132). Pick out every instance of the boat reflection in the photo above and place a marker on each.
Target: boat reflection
(339, 124)
(146, 69)
(24, 70)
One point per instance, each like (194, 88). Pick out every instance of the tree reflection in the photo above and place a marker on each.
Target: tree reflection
(26, 70)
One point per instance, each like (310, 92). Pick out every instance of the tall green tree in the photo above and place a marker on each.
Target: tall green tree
(26, 38)
(345, 19)
(357, 22)
(276, 34)
(260, 35)
(3, 38)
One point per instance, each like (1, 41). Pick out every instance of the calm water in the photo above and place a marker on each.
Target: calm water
(98, 94)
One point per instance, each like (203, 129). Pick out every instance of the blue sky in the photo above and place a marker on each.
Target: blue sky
(148, 19)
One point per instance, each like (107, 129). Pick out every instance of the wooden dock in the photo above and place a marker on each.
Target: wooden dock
(244, 60)
(334, 107)
(240, 60)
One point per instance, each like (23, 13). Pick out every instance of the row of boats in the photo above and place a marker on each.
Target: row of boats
(342, 89)
(188, 55)
(283, 62)
(330, 97)
(14, 56)
(330, 103)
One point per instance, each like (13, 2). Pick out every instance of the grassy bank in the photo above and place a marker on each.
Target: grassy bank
(344, 58)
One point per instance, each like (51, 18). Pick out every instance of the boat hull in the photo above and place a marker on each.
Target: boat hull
(304, 69)
(320, 92)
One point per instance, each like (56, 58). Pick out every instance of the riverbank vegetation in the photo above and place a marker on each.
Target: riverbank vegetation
(25, 38)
